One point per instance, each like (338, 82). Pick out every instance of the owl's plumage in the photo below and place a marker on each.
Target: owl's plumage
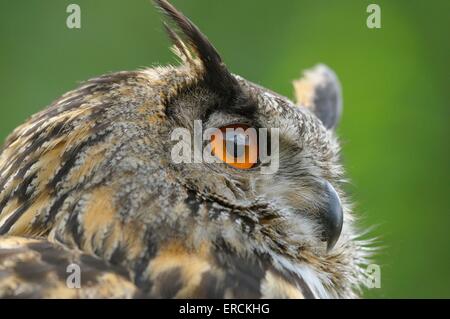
(90, 180)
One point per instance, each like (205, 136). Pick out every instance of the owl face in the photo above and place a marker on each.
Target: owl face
(295, 217)
(292, 213)
(96, 171)
(298, 190)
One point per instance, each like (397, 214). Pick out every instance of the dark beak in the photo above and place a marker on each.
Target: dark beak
(332, 216)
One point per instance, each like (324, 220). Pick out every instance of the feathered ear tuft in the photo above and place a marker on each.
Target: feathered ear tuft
(215, 72)
(319, 90)
(179, 48)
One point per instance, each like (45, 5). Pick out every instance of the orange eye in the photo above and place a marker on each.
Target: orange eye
(236, 145)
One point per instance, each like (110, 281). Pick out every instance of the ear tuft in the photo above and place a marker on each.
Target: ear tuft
(188, 38)
(319, 89)
(179, 47)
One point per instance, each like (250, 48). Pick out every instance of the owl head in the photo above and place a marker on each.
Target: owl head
(259, 214)
(294, 217)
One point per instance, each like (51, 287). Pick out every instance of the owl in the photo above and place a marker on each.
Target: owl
(91, 182)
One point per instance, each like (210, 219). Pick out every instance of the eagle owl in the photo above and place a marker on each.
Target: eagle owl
(90, 181)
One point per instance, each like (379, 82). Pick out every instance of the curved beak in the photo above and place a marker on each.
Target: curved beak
(332, 216)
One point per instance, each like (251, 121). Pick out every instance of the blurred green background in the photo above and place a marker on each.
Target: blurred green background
(395, 126)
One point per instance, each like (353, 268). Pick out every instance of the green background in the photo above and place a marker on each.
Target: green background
(396, 89)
